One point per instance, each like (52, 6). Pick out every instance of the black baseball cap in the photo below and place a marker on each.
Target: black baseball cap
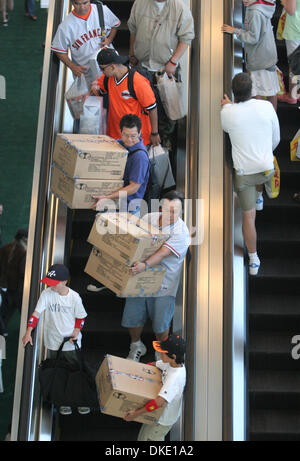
(173, 344)
(56, 274)
(109, 56)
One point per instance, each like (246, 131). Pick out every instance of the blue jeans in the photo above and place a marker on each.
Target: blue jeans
(29, 7)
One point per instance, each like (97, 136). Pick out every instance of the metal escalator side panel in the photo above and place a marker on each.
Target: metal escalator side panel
(26, 418)
(234, 318)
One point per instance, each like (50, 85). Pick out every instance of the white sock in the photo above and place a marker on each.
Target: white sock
(259, 195)
(253, 257)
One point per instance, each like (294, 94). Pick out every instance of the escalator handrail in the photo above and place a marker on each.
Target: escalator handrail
(37, 250)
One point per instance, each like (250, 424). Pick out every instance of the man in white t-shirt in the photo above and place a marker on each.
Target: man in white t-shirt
(81, 33)
(254, 132)
(172, 350)
(64, 318)
(159, 308)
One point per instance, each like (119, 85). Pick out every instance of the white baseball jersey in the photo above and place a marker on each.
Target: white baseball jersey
(83, 35)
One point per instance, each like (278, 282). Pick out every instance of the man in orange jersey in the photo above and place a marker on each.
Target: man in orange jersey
(115, 81)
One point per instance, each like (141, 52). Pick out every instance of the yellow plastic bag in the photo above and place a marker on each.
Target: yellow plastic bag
(280, 81)
(281, 25)
(295, 146)
(272, 187)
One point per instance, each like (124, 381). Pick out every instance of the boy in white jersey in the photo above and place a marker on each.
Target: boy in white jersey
(81, 33)
(172, 350)
(64, 317)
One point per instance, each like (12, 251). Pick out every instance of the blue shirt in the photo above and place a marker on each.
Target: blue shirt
(137, 169)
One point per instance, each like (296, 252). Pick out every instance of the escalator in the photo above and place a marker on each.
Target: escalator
(205, 313)
(274, 295)
(58, 234)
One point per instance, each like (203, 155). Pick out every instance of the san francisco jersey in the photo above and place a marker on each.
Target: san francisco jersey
(122, 103)
(83, 35)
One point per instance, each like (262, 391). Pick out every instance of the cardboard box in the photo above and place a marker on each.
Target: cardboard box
(126, 237)
(116, 276)
(77, 193)
(124, 385)
(90, 156)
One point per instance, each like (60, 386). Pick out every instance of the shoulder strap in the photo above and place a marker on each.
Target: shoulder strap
(101, 15)
(131, 73)
(136, 150)
(105, 83)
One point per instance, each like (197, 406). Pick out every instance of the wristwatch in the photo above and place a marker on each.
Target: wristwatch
(146, 265)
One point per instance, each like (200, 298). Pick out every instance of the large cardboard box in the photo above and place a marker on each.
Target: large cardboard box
(126, 237)
(77, 193)
(124, 385)
(116, 276)
(90, 156)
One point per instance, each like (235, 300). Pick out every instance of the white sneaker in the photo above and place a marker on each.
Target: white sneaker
(65, 411)
(254, 267)
(259, 203)
(137, 350)
(94, 288)
(83, 410)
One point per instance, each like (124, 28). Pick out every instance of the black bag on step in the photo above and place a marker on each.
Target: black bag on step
(64, 383)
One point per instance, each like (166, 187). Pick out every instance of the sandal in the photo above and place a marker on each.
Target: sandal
(296, 197)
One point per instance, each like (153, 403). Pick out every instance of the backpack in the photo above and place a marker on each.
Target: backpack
(131, 71)
(154, 189)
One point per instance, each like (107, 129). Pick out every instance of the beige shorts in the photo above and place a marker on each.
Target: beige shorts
(245, 187)
(153, 432)
(6, 5)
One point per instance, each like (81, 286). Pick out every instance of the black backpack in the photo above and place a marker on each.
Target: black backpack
(131, 71)
(153, 189)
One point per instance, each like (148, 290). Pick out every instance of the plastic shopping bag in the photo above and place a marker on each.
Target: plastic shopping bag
(295, 147)
(93, 118)
(281, 24)
(280, 81)
(75, 96)
(171, 95)
(272, 187)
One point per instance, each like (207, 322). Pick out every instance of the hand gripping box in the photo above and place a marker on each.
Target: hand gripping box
(116, 275)
(126, 237)
(77, 193)
(125, 385)
(90, 156)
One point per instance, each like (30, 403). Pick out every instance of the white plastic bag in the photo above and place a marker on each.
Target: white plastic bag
(171, 95)
(75, 96)
(93, 119)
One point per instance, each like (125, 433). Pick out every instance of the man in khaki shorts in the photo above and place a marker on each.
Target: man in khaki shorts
(254, 132)
(5, 6)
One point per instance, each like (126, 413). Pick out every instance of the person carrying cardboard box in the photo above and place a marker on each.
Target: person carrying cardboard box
(172, 350)
(137, 167)
(160, 307)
